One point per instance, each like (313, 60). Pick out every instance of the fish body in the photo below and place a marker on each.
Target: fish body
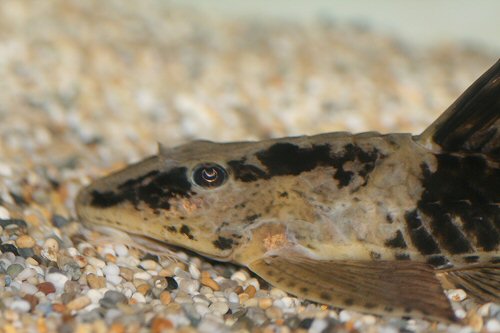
(372, 222)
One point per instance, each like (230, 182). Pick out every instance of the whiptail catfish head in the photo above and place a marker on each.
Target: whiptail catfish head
(205, 196)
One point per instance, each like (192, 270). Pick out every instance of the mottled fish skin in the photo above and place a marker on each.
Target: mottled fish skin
(329, 197)
(337, 196)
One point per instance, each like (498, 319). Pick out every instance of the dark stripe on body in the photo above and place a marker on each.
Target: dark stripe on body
(464, 188)
(282, 159)
(422, 240)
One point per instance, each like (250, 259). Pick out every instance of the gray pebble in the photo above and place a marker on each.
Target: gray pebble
(91, 316)
(111, 298)
(59, 221)
(14, 269)
(26, 252)
(72, 270)
(72, 287)
(257, 315)
(67, 297)
(193, 315)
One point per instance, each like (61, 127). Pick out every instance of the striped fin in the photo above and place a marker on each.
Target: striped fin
(481, 281)
(472, 122)
(396, 288)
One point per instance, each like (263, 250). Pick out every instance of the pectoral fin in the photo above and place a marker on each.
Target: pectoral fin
(401, 288)
(481, 282)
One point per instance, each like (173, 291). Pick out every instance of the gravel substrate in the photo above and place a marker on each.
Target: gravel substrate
(89, 86)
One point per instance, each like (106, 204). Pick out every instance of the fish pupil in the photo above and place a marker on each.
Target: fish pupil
(209, 175)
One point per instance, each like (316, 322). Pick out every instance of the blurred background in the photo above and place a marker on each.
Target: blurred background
(419, 22)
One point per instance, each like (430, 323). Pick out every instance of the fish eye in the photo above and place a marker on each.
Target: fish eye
(209, 175)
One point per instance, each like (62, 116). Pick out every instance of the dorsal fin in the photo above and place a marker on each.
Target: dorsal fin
(472, 122)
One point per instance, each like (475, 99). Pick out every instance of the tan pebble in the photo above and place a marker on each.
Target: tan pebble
(9, 328)
(274, 312)
(25, 241)
(165, 297)
(110, 258)
(159, 324)
(32, 220)
(117, 328)
(251, 303)
(96, 282)
(475, 321)
(89, 251)
(144, 288)
(238, 290)
(243, 297)
(126, 273)
(265, 303)
(32, 261)
(78, 303)
(177, 264)
(166, 273)
(59, 307)
(51, 244)
(206, 280)
(41, 325)
(81, 261)
(250, 290)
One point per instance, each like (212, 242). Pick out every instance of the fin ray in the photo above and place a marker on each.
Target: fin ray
(472, 122)
(383, 287)
(481, 282)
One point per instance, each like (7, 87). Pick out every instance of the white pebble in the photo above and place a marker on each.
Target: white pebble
(57, 279)
(25, 274)
(98, 263)
(219, 308)
(239, 276)
(111, 269)
(5, 170)
(94, 295)
(254, 282)
(277, 293)
(4, 213)
(149, 265)
(142, 276)
(188, 285)
(72, 251)
(344, 316)
(493, 325)
(456, 295)
(15, 285)
(20, 305)
(233, 298)
(201, 299)
(114, 279)
(28, 288)
(202, 309)
(139, 297)
(121, 250)
(194, 271)
(318, 325)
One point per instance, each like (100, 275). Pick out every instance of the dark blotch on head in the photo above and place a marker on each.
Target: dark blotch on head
(304, 289)
(252, 218)
(246, 172)
(223, 243)
(397, 241)
(172, 229)
(154, 189)
(186, 231)
(375, 255)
